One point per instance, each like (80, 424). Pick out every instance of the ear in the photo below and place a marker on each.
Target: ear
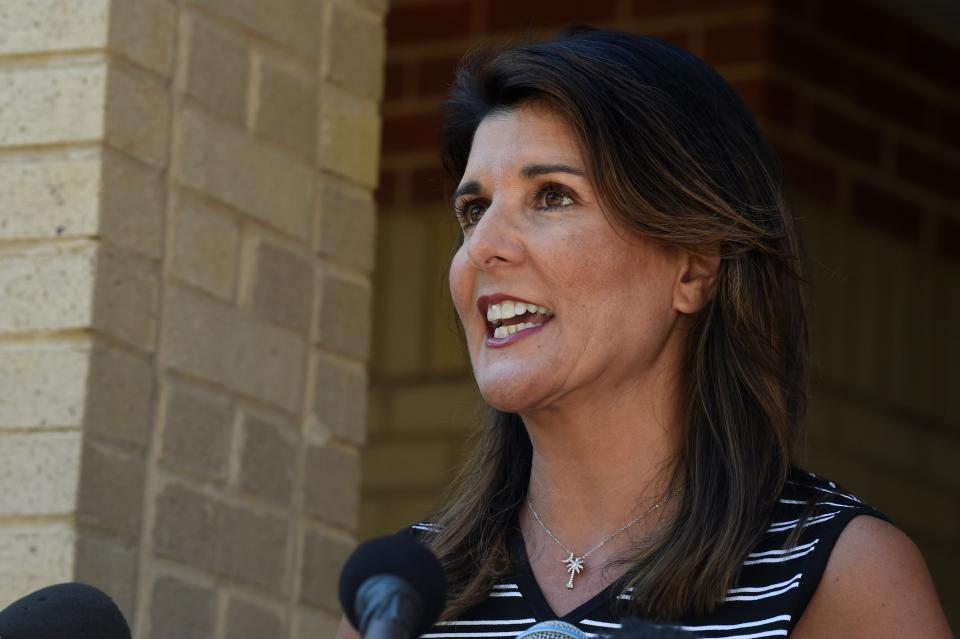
(696, 281)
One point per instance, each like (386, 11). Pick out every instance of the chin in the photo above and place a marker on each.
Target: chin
(504, 396)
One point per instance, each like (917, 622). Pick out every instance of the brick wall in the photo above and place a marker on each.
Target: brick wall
(864, 112)
(185, 254)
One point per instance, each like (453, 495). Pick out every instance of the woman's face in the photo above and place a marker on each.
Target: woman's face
(598, 303)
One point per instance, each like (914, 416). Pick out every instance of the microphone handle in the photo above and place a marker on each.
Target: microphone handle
(386, 629)
(389, 608)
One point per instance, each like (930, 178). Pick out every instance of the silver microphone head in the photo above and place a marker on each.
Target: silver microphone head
(552, 630)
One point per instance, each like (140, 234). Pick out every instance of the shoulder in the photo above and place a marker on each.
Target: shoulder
(875, 584)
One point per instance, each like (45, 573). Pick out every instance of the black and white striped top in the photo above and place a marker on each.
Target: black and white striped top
(772, 592)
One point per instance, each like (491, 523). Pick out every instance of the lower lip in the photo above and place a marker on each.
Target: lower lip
(501, 342)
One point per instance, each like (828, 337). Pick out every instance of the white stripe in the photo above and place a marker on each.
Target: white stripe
(601, 624)
(778, 560)
(735, 591)
(819, 503)
(832, 492)
(486, 622)
(504, 586)
(764, 595)
(734, 626)
(787, 522)
(784, 551)
(511, 593)
(780, 526)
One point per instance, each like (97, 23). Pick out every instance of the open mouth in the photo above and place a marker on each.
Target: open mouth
(508, 317)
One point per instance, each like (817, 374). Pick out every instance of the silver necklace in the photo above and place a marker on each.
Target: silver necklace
(574, 564)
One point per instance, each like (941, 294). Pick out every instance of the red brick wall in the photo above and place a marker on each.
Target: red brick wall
(863, 110)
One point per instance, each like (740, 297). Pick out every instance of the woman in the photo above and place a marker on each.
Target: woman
(628, 281)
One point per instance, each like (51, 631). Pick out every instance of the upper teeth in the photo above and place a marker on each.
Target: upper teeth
(510, 308)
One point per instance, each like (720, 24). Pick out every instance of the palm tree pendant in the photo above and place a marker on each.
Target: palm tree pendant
(574, 567)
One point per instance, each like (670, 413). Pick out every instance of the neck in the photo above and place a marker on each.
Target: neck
(602, 459)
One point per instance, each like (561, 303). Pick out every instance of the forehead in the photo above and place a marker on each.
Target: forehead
(531, 133)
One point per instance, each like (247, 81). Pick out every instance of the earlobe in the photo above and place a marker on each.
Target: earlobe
(696, 282)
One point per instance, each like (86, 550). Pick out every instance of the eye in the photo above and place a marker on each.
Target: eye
(469, 212)
(554, 196)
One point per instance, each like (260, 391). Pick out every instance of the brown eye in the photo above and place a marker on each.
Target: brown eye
(469, 213)
(553, 197)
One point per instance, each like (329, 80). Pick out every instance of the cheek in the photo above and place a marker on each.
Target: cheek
(461, 284)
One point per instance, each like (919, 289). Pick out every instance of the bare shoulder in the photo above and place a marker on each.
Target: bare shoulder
(876, 584)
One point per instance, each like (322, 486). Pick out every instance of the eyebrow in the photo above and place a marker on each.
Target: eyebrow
(529, 172)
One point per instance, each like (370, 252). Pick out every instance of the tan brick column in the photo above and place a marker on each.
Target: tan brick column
(186, 242)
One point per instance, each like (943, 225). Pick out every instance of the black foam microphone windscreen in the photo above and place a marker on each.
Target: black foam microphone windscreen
(64, 611)
(397, 556)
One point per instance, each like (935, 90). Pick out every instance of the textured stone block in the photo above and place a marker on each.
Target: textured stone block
(340, 397)
(346, 227)
(356, 67)
(236, 169)
(53, 25)
(127, 297)
(137, 114)
(247, 619)
(110, 566)
(34, 555)
(252, 547)
(43, 384)
(268, 463)
(132, 208)
(205, 245)
(49, 197)
(323, 557)
(217, 70)
(112, 484)
(214, 341)
(288, 109)
(333, 485)
(283, 288)
(185, 527)
(197, 432)
(48, 104)
(290, 23)
(182, 610)
(50, 461)
(345, 316)
(196, 530)
(142, 31)
(312, 624)
(47, 287)
(349, 143)
(120, 396)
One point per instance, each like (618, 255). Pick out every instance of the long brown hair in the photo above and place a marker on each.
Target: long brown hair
(675, 156)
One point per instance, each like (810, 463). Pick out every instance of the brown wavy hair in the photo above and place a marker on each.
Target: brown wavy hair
(675, 156)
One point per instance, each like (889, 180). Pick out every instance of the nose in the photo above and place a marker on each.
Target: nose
(495, 240)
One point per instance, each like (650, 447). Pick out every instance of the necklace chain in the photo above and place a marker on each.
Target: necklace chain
(574, 563)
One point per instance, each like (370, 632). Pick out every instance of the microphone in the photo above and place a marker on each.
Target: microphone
(64, 611)
(632, 629)
(392, 588)
(552, 630)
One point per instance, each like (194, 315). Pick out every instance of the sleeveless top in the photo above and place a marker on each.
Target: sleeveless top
(772, 591)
